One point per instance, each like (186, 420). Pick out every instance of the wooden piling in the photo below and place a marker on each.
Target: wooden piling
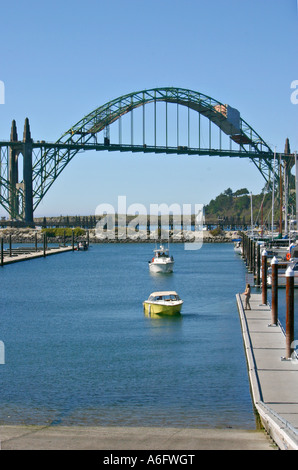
(289, 312)
(274, 289)
(251, 255)
(44, 244)
(2, 253)
(264, 277)
(258, 268)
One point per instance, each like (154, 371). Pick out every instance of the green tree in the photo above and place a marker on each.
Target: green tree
(228, 192)
(241, 192)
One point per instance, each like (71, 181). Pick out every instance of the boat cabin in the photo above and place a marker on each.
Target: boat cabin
(167, 296)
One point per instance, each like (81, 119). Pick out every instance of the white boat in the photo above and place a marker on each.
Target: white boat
(281, 281)
(82, 246)
(163, 303)
(238, 247)
(162, 262)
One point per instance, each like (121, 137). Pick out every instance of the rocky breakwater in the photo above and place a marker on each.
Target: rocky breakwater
(30, 235)
(20, 235)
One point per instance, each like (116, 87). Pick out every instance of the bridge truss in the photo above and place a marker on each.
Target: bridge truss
(159, 120)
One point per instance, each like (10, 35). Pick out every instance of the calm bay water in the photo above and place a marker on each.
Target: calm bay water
(79, 351)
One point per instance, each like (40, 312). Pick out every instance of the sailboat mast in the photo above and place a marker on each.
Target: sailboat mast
(262, 226)
(251, 216)
(273, 192)
(280, 199)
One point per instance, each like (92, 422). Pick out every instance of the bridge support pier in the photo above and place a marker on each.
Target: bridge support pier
(27, 174)
(13, 174)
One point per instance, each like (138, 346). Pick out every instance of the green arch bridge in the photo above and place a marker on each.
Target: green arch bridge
(159, 120)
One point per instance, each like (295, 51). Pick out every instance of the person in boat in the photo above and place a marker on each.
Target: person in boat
(247, 297)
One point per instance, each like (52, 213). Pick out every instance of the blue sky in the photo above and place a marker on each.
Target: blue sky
(60, 60)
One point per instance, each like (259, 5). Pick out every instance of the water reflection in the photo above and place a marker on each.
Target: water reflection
(163, 318)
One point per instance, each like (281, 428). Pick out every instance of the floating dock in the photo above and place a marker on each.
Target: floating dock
(26, 253)
(273, 379)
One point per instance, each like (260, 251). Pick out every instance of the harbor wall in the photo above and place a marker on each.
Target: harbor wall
(28, 235)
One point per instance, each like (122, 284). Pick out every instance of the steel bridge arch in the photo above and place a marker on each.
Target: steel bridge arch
(83, 134)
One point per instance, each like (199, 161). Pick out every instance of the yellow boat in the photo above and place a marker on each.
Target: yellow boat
(163, 303)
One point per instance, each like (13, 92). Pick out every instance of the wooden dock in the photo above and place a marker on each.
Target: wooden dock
(273, 379)
(15, 255)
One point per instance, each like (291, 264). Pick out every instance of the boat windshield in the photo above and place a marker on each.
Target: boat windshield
(162, 254)
(167, 297)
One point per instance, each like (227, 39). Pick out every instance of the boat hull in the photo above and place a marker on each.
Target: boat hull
(282, 281)
(168, 309)
(165, 267)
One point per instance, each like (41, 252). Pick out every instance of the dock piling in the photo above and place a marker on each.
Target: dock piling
(258, 268)
(289, 312)
(274, 288)
(264, 277)
(44, 244)
(2, 254)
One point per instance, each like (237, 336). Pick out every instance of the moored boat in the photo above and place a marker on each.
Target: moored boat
(163, 303)
(282, 267)
(82, 246)
(238, 247)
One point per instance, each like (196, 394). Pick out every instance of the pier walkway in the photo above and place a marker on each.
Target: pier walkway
(273, 380)
(26, 253)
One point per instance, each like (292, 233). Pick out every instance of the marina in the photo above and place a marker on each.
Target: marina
(168, 320)
(264, 344)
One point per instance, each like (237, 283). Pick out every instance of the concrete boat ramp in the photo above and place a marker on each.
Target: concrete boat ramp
(273, 379)
(131, 438)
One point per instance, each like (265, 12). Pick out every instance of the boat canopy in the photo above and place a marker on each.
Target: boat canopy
(164, 296)
(170, 292)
